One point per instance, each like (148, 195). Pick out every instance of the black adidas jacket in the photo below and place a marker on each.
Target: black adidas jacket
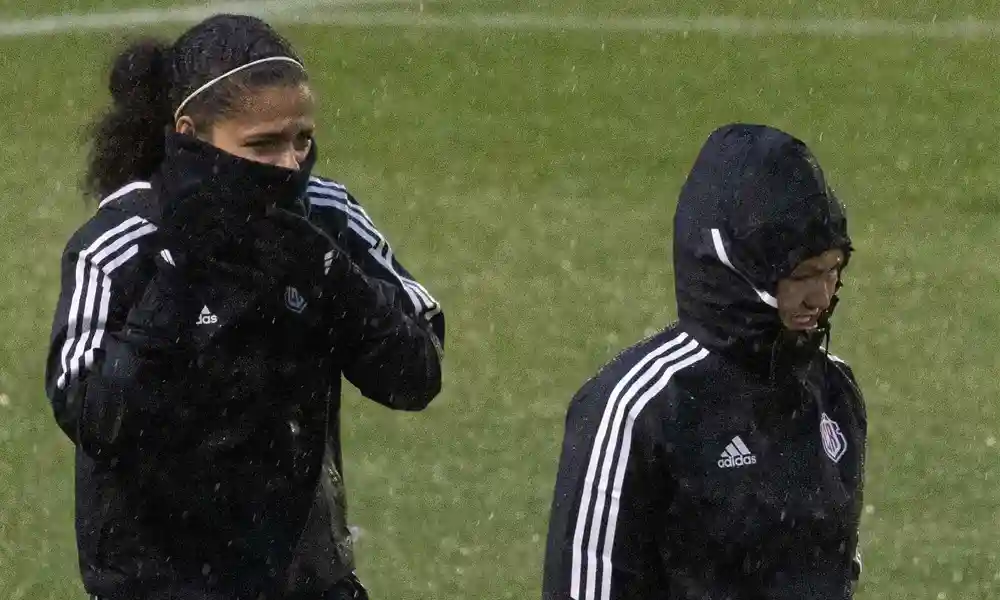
(205, 409)
(721, 459)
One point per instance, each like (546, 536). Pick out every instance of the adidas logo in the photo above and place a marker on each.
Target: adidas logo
(205, 317)
(736, 455)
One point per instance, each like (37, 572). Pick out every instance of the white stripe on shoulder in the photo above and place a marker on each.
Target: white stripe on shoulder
(332, 189)
(137, 185)
(327, 183)
(88, 311)
(586, 539)
(622, 461)
(359, 210)
(319, 190)
(365, 230)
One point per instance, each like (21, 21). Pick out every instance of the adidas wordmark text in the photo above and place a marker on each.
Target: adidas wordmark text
(207, 318)
(736, 454)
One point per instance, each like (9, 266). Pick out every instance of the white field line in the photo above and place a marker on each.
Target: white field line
(265, 9)
(339, 12)
(970, 29)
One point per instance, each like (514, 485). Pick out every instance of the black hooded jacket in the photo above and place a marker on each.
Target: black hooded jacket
(721, 459)
(196, 360)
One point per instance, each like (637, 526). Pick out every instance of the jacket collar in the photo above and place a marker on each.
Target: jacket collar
(193, 169)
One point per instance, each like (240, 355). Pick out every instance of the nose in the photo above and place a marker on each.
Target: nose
(289, 160)
(820, 294)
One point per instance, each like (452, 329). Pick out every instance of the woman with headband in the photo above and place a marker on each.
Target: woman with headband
(209, 308)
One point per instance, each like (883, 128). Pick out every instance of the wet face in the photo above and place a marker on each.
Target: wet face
(272, 125)
(804, 295)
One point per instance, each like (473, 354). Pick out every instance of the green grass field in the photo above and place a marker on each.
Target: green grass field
(528, 178)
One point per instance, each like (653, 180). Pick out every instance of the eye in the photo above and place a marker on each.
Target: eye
(264, 143)
(303, 142)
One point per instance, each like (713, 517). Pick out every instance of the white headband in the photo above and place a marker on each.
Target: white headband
(191, 96)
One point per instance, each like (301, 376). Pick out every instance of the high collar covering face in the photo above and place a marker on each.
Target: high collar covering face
(194, 171)
(755, 204)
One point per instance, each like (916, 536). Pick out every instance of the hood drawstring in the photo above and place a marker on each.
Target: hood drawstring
(773, 367)
(827, 327)
(826, 355)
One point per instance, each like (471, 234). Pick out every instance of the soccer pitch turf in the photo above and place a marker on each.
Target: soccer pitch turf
(524, 159)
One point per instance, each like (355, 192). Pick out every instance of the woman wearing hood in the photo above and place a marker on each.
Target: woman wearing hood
(208, 311)
(722, 458)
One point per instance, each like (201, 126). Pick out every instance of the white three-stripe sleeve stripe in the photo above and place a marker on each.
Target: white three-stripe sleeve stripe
(432, 305)
(421, 299)
(623, 460)
(92, 282)
(123, 258)
(81, 268)
(100, 276)
(359, 223)
(613, 455)
(354, 210)
(599, 442)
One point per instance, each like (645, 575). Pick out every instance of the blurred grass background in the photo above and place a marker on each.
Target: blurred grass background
(528, 178)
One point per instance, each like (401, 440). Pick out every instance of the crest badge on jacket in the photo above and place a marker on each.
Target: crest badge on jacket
(834, 442)
(294, 300)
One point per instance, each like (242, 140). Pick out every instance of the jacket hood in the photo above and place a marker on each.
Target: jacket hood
(755, 205)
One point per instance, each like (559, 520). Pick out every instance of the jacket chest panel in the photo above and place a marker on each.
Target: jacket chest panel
(252, 349)
(281, 322)
(744, 479)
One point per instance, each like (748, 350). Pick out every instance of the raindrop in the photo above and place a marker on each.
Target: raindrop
(4, 400)
(990, 441)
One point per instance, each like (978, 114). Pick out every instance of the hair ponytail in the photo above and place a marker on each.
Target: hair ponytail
(127, 141)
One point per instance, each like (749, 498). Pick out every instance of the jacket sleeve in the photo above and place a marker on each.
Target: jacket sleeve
(397, 361)
(858, 432)
(100, 273)
(861, 434)
(599, 541)
(133, 394)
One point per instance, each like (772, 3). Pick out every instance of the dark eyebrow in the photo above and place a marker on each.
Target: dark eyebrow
(810, 271)
(271, 136)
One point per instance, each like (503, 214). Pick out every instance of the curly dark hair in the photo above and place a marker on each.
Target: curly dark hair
(150, 78)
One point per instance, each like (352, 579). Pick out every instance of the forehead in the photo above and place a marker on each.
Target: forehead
(824, 262)
(273, 108)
